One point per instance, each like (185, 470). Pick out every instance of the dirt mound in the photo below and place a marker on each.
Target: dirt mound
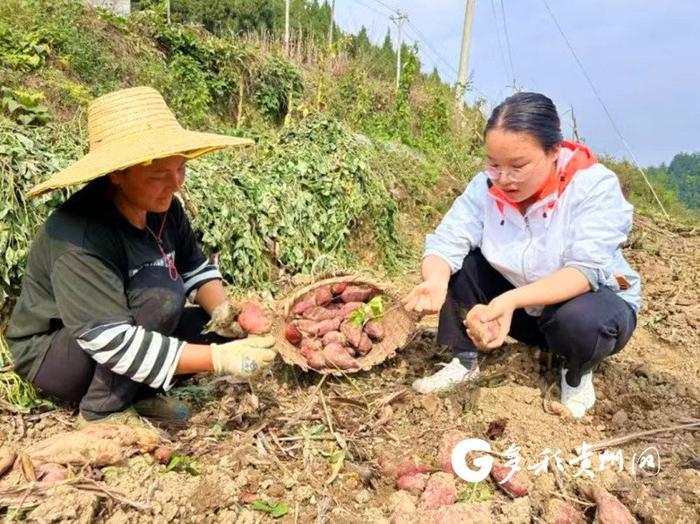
(308, 447)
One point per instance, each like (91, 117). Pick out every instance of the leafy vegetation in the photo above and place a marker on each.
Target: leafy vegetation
(682, 175)
(348, 169)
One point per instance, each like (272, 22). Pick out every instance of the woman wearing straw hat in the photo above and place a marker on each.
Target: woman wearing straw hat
(101, 317)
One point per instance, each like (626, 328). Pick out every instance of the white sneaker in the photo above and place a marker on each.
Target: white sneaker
(448, 377)
(579, 399)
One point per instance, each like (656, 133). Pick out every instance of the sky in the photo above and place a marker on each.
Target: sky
(643, 57)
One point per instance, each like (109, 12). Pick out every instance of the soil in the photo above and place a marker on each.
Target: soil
(314, 443)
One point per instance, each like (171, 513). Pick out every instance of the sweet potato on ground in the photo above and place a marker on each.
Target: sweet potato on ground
(414, 483)
(7, 459)
(336, 356)
(51, 472)
(609, 510)
(253, 319)
(449, 440)
(516, 486)
(393, 467)
(439, 491)
(560, 512)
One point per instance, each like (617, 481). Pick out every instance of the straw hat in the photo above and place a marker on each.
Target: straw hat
(130, 127)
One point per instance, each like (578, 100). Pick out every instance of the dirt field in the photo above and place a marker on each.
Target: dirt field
(319, 444)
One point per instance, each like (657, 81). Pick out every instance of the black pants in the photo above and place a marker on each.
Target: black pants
(583, 330)
(69, 374)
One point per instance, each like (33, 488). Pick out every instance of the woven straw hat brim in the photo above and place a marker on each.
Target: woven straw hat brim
(137, 149)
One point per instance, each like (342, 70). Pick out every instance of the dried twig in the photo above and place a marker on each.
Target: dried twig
(624, 439)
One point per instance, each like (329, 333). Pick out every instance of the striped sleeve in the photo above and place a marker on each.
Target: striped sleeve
(143, 356)
(93, 306)
(200, 275)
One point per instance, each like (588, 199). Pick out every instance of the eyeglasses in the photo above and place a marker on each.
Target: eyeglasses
(516, 175)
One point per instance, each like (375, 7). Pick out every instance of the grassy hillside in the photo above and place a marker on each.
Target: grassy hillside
(348, 170)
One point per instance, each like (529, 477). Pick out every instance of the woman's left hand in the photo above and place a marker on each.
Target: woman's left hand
(500, 310)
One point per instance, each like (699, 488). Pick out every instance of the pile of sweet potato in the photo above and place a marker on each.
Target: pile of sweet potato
(335, 324)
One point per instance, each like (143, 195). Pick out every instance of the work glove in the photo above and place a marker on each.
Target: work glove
(223, 320)
(243, 358)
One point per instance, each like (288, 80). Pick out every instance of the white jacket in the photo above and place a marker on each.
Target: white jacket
(580, 220)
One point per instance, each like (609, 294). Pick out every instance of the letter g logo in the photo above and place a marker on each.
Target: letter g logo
(459, 460)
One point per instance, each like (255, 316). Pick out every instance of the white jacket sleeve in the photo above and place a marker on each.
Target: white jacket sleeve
(461, 229)
(599, 224)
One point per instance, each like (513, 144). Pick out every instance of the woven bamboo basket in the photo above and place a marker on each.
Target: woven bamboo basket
(398, 326)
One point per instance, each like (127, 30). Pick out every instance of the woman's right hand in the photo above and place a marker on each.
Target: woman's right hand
(427, 297)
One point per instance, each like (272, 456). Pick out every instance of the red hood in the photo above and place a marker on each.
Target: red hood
(574, 157)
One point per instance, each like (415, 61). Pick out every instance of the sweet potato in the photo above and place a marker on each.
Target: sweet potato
(609, 510)
(348, 309)
(336, 356)
(337, 289)
(318, 313)
(414, 483)
(516, 486)
(393, 466)
(560, 512)
(253, 320)
(334, 336)
(352, 333)
(313, 358)
(365, 345)
(356, 294)
(449, 440)
(292, 334)
(163, 454)
(312, 343)
(326, 326)
(307, 327)
(375, 330)
(51, 472)
(7, 459)
(323, 295)
(439, 491)
(303, 305)
(77, 448)
(350, 350)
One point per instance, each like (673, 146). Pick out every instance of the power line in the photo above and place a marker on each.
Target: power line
(510, 54)
(605, 108)
(367, 6)
(498, 37)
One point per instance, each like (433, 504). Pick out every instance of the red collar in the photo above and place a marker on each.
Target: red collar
(579, 157)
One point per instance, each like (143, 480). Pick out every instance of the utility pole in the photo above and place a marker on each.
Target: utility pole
(461, 86)
(286, 25)
(167, 10)
(398, 20)
(330, 29)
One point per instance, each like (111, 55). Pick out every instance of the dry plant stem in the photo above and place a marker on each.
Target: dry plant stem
(77, 483)
(624, 439)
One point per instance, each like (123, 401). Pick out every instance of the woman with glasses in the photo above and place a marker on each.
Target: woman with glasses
(531, 249)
